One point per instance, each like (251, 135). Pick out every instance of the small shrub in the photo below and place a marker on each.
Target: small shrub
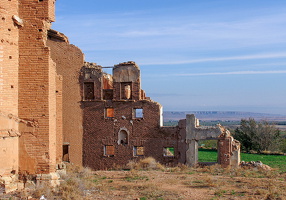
(145, 164)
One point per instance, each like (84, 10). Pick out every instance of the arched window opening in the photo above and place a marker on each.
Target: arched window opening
(123, 137)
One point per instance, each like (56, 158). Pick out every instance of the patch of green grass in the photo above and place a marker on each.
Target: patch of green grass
(274, 161)
(207, 155)
(232, 192)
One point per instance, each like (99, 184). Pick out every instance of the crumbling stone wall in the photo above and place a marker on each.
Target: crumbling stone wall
(30, 92)
(9, 62)
(59, 118)
(44, 93)
(9, 55)
(69, 60)
(37, 88)
(8, 145)
(114, 133)
(228, 147)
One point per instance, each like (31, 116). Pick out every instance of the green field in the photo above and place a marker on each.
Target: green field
(274, 161)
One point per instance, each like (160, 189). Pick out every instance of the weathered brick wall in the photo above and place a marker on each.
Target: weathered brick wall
(9, 54)
(224, 150)
(37, 87)
(59, 131)
(9, 57)
(69, 60)
(101, 130)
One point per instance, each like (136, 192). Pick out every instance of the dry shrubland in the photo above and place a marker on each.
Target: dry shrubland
(147, 179)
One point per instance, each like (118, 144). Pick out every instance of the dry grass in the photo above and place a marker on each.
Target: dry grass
(148, 163)
(148, 180)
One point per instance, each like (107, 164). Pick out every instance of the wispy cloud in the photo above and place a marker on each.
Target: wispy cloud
(217, 59)
(234, 73)
(115, 31)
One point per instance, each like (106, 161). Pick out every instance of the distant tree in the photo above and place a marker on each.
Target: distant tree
(244, 139)
(257, 136)
(268, 136)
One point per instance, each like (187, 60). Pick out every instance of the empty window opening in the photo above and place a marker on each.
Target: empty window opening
(109, 150)
(126, 90)
(207, 151)
(123, 137)
(66, 148)
(89, 91)
(169, 152)
(138, 151)
(109, 112)
(138, 113)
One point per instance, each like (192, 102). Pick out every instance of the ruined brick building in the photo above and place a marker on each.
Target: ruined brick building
(121, 124)
(55, 107)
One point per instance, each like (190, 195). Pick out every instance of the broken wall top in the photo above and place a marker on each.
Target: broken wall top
(195, 132)
(57, 36)
(126, 72)
(92, 71)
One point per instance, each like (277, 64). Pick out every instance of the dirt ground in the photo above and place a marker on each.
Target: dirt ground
(178, 183)
(188, 185)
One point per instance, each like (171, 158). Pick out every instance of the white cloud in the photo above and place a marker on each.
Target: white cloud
(117, 31)
(216, 59)
(234, 73)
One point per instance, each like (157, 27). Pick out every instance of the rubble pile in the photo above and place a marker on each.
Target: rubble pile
(254, 165)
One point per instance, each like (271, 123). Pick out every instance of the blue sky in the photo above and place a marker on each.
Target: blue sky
(194, 55)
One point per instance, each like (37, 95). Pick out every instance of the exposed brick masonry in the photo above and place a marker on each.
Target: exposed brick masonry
(37, 87)
(101, 131)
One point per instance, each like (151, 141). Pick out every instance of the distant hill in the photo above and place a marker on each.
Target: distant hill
(221, 115)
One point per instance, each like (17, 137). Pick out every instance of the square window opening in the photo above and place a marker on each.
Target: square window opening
(138, 113)
(109, 112)
(138, 151)
(109, 150)
(169, 151)
(88, 91)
